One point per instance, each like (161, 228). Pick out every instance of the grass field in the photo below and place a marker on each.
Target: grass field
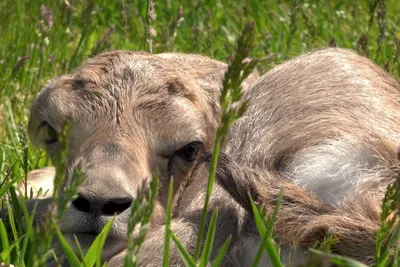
(42, 39)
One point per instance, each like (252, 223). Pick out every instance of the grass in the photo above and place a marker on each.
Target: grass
(43, 39)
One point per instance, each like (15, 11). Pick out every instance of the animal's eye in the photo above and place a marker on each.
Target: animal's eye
(189, 152)
(51, 134)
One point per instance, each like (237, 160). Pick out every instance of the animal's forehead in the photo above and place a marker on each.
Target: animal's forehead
(126, 67)
(126, 79)
(121, 74)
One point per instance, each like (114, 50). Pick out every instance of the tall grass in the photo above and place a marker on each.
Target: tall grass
(43, 39)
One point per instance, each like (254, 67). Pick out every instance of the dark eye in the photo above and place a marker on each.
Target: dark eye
(189, 152)
(51, 134)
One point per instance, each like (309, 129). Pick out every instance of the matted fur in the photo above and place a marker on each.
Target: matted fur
(323, 125)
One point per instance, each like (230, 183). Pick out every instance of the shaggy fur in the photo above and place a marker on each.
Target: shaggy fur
(324, 126)
(303, 219)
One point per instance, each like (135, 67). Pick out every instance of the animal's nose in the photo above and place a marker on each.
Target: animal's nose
(109, 207)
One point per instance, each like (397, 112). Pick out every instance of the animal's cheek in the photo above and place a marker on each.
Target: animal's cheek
(179, 169)
(159, 165)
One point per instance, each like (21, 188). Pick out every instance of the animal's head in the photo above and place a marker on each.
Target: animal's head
(130, 114)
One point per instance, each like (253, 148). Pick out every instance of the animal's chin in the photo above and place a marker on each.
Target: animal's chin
(84, 228)
(112, 246)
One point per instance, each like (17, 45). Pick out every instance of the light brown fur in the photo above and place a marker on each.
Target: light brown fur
(303, 219)
(131, 111)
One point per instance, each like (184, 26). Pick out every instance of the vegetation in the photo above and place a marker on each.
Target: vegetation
(43, 39)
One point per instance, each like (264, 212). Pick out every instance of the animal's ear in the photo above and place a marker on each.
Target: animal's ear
(48, 105)
(207, 76)
(211, 83)
(211, 75)
(208, 73)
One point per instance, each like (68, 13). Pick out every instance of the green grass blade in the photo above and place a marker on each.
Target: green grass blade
(5, 243)
(187, 259)
(167, 239)
(16, 207)
(30, 234)
(266, 234)
(141, 213)
(79, 250)
(218, 260)
(392, 242)
(93, 255)
(261, 230)
(396, 254)
(259, 253)
(208, 245)
(257, 218)
(5, 254)
(3, 235)
(5, 187)
(388, 233)
(24, 247)
(73, 260)
(271, 220)
(339, 260)
(210, 185)
(13, 226)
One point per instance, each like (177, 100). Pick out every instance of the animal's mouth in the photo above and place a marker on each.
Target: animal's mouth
(92, 233)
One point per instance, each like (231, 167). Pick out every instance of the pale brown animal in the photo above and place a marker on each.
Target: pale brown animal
(323, 125)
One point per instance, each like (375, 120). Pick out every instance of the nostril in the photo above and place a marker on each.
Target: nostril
(116, 206)
(111, 207)
(82, 204)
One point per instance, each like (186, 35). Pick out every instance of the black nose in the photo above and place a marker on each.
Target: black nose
(109, 207)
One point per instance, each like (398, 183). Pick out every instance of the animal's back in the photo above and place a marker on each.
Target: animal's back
(328, 120)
